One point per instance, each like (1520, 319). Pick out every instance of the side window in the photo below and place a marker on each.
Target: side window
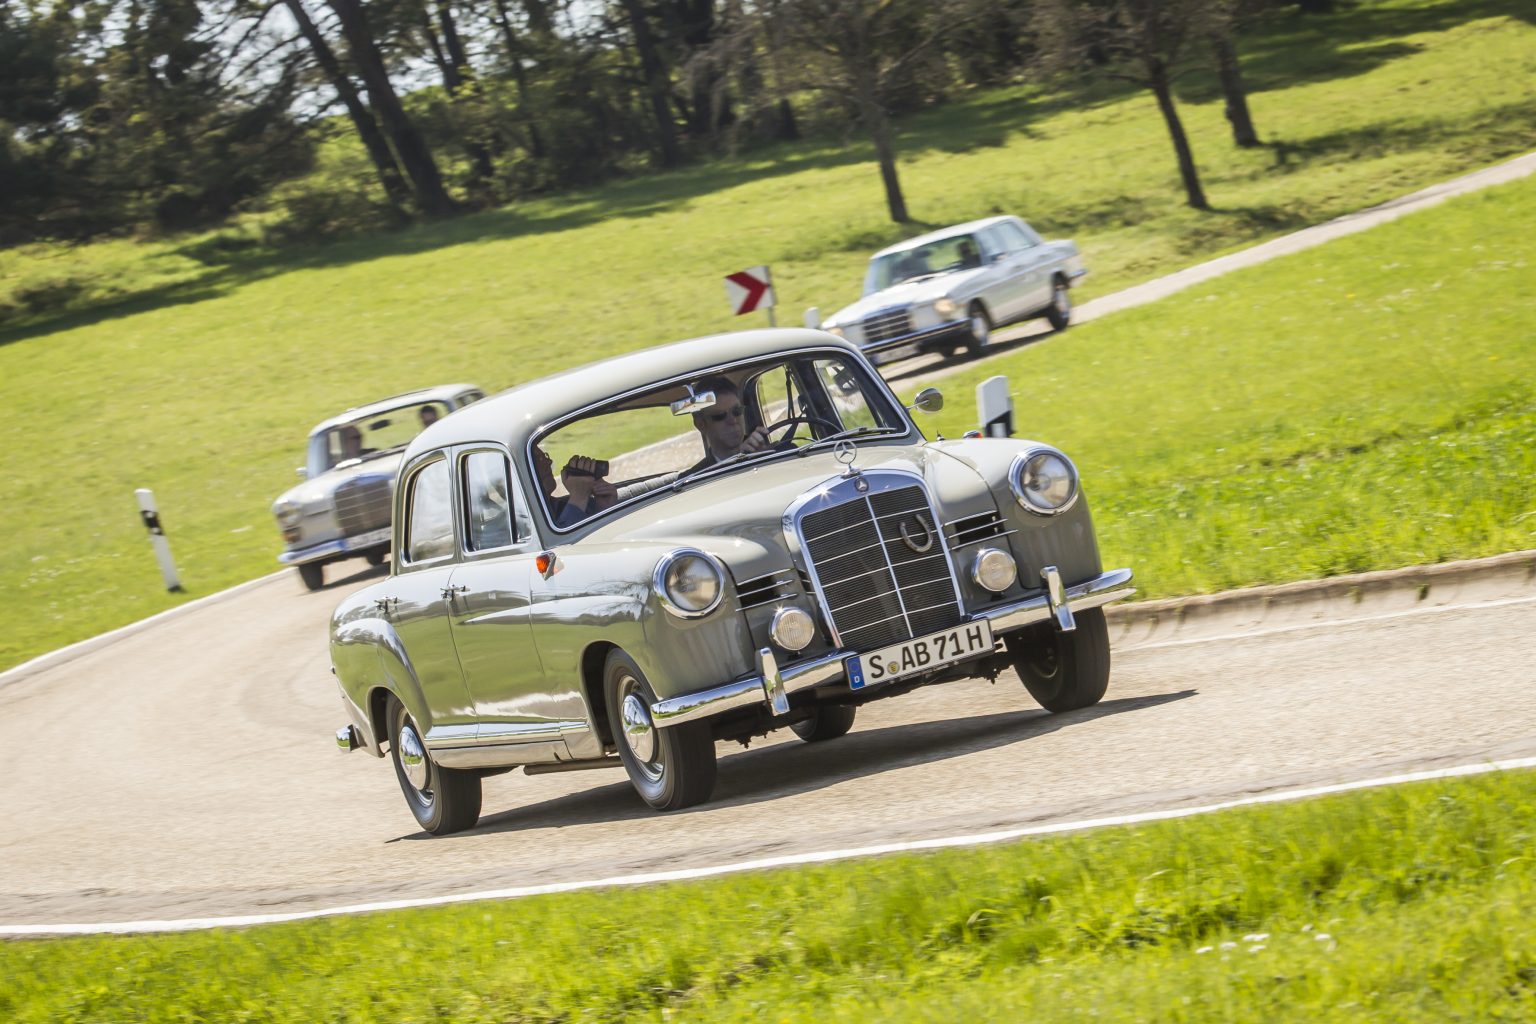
(487, 493)
(991, 243)
(1033, 235)
(470, 397)
(1014, 236)
(429, 516)
(848, 398)
(777, 396)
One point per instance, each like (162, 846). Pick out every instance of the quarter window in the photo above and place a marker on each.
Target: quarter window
(429, 515)
(487, 502)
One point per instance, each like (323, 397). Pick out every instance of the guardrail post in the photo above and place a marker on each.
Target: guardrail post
(994, 407)
(157, 539)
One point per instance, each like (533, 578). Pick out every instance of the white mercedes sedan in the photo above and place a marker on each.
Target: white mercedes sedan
(955, 286)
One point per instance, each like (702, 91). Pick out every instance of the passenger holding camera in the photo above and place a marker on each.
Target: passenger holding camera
(586, 491)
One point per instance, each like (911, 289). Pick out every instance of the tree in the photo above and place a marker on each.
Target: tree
(1145, 42)
(1224, 51)
(862, 52)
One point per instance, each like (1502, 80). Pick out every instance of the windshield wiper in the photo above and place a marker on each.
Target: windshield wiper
(844, 434)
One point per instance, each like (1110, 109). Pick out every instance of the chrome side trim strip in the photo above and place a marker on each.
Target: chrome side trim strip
(762, 689)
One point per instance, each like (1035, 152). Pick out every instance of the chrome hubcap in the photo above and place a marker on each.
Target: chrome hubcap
(979, 328)
(639, 733)
(413, 757)
(1063, 301)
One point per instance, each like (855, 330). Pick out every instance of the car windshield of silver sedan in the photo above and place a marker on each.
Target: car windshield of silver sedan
(681, 431)
(371, 437)
(943, 256)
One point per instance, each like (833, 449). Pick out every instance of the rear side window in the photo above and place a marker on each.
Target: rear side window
(429, 515)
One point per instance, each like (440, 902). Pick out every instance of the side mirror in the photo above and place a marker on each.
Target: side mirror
(928, 400)
(303, 474)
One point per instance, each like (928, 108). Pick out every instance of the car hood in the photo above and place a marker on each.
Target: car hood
(317, 491)
(908, 293)
(738, 516)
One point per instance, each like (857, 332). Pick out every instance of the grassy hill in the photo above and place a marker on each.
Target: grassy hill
(195, 367)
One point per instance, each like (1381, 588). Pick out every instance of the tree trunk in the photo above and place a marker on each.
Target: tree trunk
(1164, 92)
(657, 86)
(367, 128)
(414, 155)
(1243, 132)
(879, 128)
(520, 77)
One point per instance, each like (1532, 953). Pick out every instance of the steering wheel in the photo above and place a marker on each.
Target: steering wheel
(794, 421)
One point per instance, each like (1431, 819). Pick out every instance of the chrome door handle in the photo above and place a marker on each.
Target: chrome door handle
(448, 592)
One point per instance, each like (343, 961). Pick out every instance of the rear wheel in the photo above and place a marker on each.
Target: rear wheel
(980, 325)
(1063, 671)
(827, 722)
(443, 800)
(670, 768)
(313, 575)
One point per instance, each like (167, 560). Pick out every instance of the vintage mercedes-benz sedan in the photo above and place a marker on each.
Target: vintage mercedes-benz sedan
(341, 510)
(746, 532)
(953, 287)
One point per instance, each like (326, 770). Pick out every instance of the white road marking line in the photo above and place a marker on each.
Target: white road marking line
(1296, 627)
(789, 860)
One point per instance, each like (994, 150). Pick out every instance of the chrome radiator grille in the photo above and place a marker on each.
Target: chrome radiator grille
(881, 565)
(363, 504)
(887, 324)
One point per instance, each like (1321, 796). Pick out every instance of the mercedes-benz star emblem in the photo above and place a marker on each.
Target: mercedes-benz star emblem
(910, 541)
(845, 452)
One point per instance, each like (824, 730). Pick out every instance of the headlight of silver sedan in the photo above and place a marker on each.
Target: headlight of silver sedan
(1044, 481)
(287, 513)
(689, 582)
(946, 307)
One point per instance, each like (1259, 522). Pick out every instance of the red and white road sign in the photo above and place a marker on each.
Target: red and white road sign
(749, 290)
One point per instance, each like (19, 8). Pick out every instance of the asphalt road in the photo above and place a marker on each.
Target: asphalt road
(188, 770)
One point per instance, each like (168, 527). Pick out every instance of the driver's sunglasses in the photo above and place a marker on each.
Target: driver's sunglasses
(734, 412)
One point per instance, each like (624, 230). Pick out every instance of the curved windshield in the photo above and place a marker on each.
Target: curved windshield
(956, 252)
(682, 431)
(371, 436)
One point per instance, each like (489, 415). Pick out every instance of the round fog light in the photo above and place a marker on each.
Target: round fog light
(792, 628)
(995, 570)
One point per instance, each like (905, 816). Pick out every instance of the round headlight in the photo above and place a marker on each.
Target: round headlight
(946, 307)
(689, 582)
(1044, 482)
(287, 513)
(792, 628)
(994, 570)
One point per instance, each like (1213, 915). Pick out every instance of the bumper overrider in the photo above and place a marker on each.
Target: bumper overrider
(771, 685)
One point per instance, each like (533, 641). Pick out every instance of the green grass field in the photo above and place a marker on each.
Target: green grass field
(195, 367)
(1402, 904)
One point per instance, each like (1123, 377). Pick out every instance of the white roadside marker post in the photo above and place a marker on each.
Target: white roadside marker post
(813, 318)
(994, 406)
(151, 516)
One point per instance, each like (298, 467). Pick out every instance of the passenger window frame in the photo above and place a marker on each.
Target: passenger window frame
(524, 534)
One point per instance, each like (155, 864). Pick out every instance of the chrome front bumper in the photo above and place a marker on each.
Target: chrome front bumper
(772, 685)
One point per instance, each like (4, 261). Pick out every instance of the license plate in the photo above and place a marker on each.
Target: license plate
(923, 654)
(369, 539)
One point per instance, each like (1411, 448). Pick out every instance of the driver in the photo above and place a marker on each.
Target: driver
(723, 425)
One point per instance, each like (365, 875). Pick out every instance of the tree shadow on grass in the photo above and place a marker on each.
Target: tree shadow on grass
(788, 770)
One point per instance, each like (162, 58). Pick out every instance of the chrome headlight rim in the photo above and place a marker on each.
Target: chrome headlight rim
(287, 513)
(668, 601)
(977, 574)
(780, 626)
(1021, 493)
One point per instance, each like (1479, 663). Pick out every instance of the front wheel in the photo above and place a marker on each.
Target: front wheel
(313, 575)
(827, 722)
(1059, 313)
(979, 331)
(1063, 671)
(670, 768)
(443, 800)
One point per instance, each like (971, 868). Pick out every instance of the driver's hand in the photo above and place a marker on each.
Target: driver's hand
(756, 441)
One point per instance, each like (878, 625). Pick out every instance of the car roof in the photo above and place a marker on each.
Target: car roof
(514, 415)
(934, 236)
(440, 393)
